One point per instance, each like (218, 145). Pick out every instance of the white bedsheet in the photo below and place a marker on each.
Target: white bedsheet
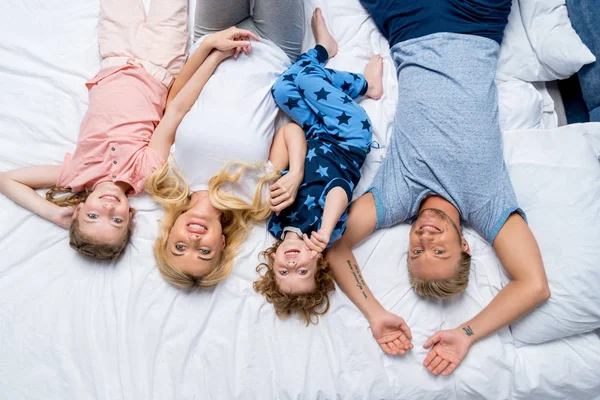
(75, 329)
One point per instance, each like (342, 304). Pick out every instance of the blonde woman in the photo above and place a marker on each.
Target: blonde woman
(206, 218)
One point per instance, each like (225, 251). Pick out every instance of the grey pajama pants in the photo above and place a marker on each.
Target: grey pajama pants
(280, 21)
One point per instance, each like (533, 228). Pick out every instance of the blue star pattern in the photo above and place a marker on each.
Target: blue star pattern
(338, 138)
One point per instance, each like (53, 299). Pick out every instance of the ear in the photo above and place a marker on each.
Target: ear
(224, 244)
(76, 211)
(272, 255)
(465, 245)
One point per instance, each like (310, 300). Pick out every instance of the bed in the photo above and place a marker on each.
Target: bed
(72, 328)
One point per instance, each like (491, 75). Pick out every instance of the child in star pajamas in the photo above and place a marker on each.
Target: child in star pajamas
(310, 200)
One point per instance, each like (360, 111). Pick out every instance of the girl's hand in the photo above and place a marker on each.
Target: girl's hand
(234, 39)
(63, 216)
(317, 242)
(448, 349)
(283, 192)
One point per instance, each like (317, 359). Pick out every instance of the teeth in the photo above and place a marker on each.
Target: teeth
(196, 226)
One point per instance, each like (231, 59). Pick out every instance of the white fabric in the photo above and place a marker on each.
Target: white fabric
(556, 176)
(557, 46)
(72, 328)
(234, 117)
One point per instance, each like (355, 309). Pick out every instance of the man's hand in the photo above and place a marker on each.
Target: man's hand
(283, 192)
(448, 349)
(391, 333)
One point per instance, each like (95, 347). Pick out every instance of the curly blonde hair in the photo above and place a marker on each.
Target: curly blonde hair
(308, 305)
(77, 240)
(444, 288)
(169, 188)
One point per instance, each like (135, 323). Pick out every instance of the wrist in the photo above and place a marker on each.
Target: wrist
(374, 311)
(296, 174)
(468, 333)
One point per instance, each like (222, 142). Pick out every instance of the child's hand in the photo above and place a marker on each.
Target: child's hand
(234, 39)
(318, 241)
(283, 192)
(63, 216)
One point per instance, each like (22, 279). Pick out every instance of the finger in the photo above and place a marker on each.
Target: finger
(282, 206)
(434, 363)
(432, 340)
(278, 191)
(318, 244)
(394, 348)
(442, 366)
(402, 348)
(318, 239)
(403, 340)
(275, 186)
(236, 52)
(406, 329)
(449, 369)
(386, 348)
(430, 356)
(245, 32)
(279, 199)
(310, 244)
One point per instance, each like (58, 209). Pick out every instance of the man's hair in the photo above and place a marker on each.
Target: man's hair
(444, 288)
(91, 248)
(308, 305)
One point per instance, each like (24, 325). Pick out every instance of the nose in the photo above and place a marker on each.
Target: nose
(108, 205)
(194, 237)
(291, 263)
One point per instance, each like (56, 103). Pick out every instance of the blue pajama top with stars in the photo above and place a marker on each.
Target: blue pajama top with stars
(338, 137)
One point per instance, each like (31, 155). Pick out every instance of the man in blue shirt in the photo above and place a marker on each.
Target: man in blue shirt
(444, 167)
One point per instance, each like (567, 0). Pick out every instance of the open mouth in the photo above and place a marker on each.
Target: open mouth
(111, 198)
(197, 227)
(430, 228)
(292, 252)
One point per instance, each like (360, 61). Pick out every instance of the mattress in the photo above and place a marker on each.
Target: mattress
(72, 328)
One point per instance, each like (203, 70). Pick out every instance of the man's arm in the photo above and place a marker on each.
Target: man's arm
(520, 256)
(390, 331)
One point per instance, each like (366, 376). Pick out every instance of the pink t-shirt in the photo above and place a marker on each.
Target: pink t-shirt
(125, 105)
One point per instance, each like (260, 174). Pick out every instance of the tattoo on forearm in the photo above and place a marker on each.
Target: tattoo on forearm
(468, 330)
(360, 282)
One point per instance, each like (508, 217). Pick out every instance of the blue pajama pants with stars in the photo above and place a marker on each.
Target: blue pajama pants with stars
(321, 100)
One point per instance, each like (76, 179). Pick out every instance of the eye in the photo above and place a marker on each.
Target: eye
(204, 251)
(117, 220)
(283, 271)
(417, 251)
(439, 252)
(92, 216)
(180, 247)
(303, 272)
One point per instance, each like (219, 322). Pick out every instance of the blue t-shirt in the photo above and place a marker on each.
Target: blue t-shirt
(446, 136)
(329, 164)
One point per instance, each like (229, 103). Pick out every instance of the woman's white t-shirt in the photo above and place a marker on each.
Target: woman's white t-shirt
(234, 116)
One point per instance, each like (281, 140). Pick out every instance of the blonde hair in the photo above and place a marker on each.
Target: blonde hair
(444, 288)
(169, 188)
(308, 305)
(84, 244)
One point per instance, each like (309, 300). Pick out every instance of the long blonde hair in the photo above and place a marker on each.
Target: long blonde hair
(77, 240)
(169, 188)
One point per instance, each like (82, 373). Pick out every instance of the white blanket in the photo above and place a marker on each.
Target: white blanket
(75, 329)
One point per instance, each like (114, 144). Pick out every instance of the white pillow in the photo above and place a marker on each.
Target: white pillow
(557, 46)
(520, 106)
(556, 176)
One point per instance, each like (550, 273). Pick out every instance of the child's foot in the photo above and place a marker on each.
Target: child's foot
(373, 74)
(322, 34)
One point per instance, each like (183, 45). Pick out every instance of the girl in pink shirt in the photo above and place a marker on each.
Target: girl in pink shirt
(124, 136)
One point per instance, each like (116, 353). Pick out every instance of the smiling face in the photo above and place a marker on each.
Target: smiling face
(196, 239)
(293, 266)
(105, 215)
(435, 246)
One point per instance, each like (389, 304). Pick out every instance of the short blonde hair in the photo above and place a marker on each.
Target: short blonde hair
(168, 188)
(444, 288)
(308, 305)
(77, 240)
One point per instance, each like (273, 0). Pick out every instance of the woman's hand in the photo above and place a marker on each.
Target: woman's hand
(448, 349)
(232, 39)
(283, 192)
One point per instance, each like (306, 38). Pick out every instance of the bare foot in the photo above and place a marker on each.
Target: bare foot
(322, 34)
(373, 74)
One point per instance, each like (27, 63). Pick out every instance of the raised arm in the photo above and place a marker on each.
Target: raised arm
(390, 331)
(520, 256)
(19, 184)
(228, 39)
(288, 151)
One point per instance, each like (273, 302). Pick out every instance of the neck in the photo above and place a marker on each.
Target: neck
(440, 203)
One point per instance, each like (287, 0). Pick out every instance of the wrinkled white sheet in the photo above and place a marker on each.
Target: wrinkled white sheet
(75, 329)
